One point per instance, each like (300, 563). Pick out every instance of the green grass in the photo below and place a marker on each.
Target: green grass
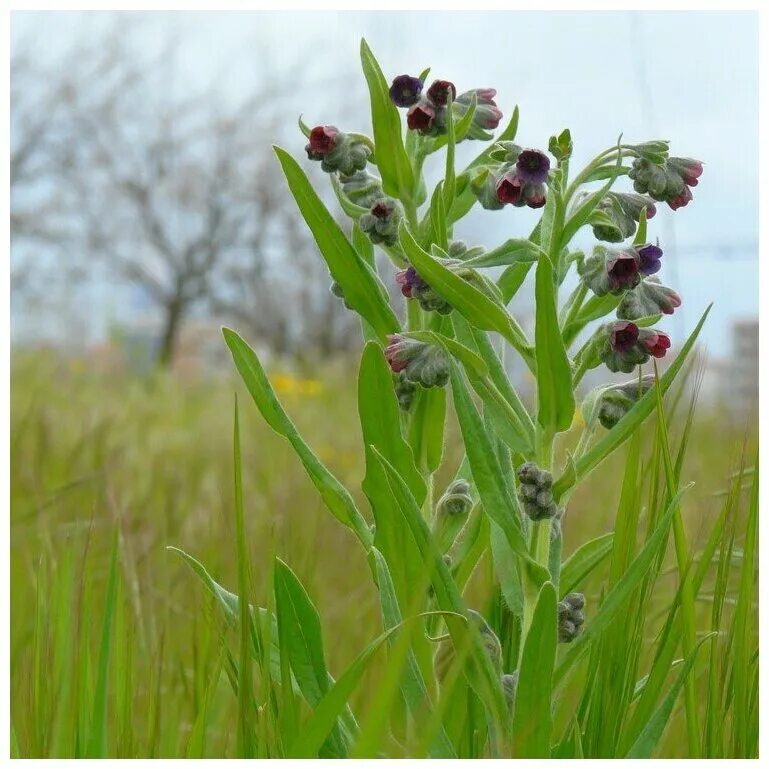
(118, 648)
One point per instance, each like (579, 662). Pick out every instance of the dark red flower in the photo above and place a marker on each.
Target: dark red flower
(688, 169)
(533, 166)
(322, 140)
(622, 270)
(394, 353)
(405, 90)
(656, 343)
(681, 199)
(420, 117)
(650, 258)
(382, 209)
(535, 195)
(623, 336)
(438, 92)
(510, 189)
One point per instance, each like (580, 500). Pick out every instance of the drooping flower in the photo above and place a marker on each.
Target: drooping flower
(688, 169)
(656, 343)
(623, 336)
(533, 166)
(683, 198)
(510, 189)
(611, 270)
(405, 90)
(421, 117)
(622, 271)
(669, 181)
(419, 362)
(487, 115)
(620, 349)
(323, 140)
(650, 255)
(438, 92)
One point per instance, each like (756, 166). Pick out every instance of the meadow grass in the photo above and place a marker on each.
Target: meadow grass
(117, 649)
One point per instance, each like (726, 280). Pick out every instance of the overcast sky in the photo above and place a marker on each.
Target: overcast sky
(690, 77)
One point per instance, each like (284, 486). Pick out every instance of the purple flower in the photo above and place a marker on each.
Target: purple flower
(409, 281)
(322, 140)
(438, 92)
(510, 189)
(533, 166)
(420, 117)
(656, 343)
(650, 258)
(622, 270)
(623, 335)
(405, 90)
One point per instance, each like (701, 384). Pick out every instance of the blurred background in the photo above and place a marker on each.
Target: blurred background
(147, 209)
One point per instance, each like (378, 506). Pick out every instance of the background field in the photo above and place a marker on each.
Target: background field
(151, 458)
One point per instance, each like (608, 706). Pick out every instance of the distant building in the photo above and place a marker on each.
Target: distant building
(739, 375)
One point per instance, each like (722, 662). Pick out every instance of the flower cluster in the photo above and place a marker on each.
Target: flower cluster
(382, 220)
(414, 287)
(570, 617)
(519, 180)
(648, 298)
(337, 151)
(624, 345)
(420, 363)
(668, 182)
(427, 111)
(616, 270)
(456, 500)
(535, 492)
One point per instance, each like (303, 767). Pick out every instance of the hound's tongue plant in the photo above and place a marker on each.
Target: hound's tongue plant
(510, 495)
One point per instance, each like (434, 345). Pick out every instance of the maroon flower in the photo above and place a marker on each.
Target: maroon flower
(623, 336)
(510, 189)
(650, 258)
(420, 117)
(533, 166)
(394, 353)
(622, 270)
(382, 209)
(322, 140)
(681, 199)
(405, 90)
(688, 169)
(656, 343)
(438, 92)
(409, 281)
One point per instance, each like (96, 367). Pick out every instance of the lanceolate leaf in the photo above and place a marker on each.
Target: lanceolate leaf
(555, 396)
(578, 566)
(336, 497)
(391, 157)
(532, 720)
(362, 289)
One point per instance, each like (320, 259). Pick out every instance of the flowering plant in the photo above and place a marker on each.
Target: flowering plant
(510, 495)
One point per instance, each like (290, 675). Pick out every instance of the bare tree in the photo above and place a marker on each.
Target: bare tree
(174, 191)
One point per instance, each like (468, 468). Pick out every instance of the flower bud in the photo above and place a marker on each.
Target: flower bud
(414, 287)
(381, 223)
(438, 93)
(487, 115)
(648, 298)
(405, 90)
(456, 500)
(361, 188)
(405, 391)
(570, 617)
(460, 251)
(669, 182)
(535, 492)
(610, 270)
(616, 216)
(421, 363)
(337, 151)
(614, 402)
(560, 147)
(510, 688)
(421, 117)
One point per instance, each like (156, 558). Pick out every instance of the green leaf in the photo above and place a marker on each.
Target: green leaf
(628, 424)
(555, 397)
(532, 719)
(392, 159)
(426, 426)
(335, 496)
(512, 251)
(438, 217)
(363, 290)
(476, 306)
(300, 635)
(583, 561)
(650, 735)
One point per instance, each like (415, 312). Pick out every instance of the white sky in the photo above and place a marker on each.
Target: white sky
(690, 77)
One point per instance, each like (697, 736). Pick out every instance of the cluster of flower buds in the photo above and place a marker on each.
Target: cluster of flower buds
(648, 298)
(444, 657)
(414, 287)
(405, 391)
(337, 151)
(455, 501)
(382, 220)
(616, 270)
(361, 188)
(617, 215)
(624, 345)
(420, 363)
(614, 402)
(668, 181)
(427, 111)
(570, 617)
(520, 178)
(460, 251)
(535, 492)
